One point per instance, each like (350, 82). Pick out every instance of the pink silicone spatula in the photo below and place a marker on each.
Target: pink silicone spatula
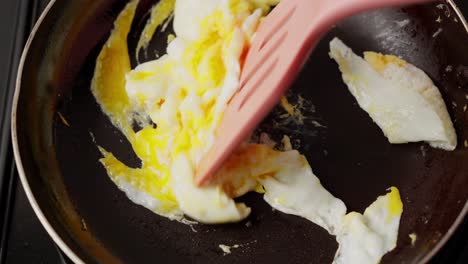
(281, 46)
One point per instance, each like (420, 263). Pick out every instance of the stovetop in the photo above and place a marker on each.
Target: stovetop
(22, 237)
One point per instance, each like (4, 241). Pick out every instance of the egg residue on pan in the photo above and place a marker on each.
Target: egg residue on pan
(178, 100)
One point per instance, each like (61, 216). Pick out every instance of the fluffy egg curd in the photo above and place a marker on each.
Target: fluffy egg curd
(178, 101)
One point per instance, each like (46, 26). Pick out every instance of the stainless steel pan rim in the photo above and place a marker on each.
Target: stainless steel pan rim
(43, 219)
(24, 180)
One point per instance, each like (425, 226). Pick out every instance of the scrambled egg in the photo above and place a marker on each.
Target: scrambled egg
(400, 98)
(178, 101)
(184, 93)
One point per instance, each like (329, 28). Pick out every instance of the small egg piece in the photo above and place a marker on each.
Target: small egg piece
(413, 237)
(400, 98)
(365, 239)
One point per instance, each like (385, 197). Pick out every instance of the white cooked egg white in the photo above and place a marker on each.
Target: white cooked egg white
(185, 93)
(288, 182)
(296, 190)
(365, 239)
(400, 98)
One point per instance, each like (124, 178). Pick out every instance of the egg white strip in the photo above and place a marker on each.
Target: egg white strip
(401, 99)
(296, 190)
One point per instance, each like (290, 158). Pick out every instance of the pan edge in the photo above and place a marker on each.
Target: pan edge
(22, 175)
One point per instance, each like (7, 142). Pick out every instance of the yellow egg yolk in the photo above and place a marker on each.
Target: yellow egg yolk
(380, 61)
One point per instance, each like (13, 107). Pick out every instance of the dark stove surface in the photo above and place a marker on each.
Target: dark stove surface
(23, 239)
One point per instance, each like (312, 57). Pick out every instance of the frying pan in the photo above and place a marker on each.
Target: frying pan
(93, 222)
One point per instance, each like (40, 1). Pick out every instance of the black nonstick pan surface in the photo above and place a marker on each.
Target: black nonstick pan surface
(94, 222)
